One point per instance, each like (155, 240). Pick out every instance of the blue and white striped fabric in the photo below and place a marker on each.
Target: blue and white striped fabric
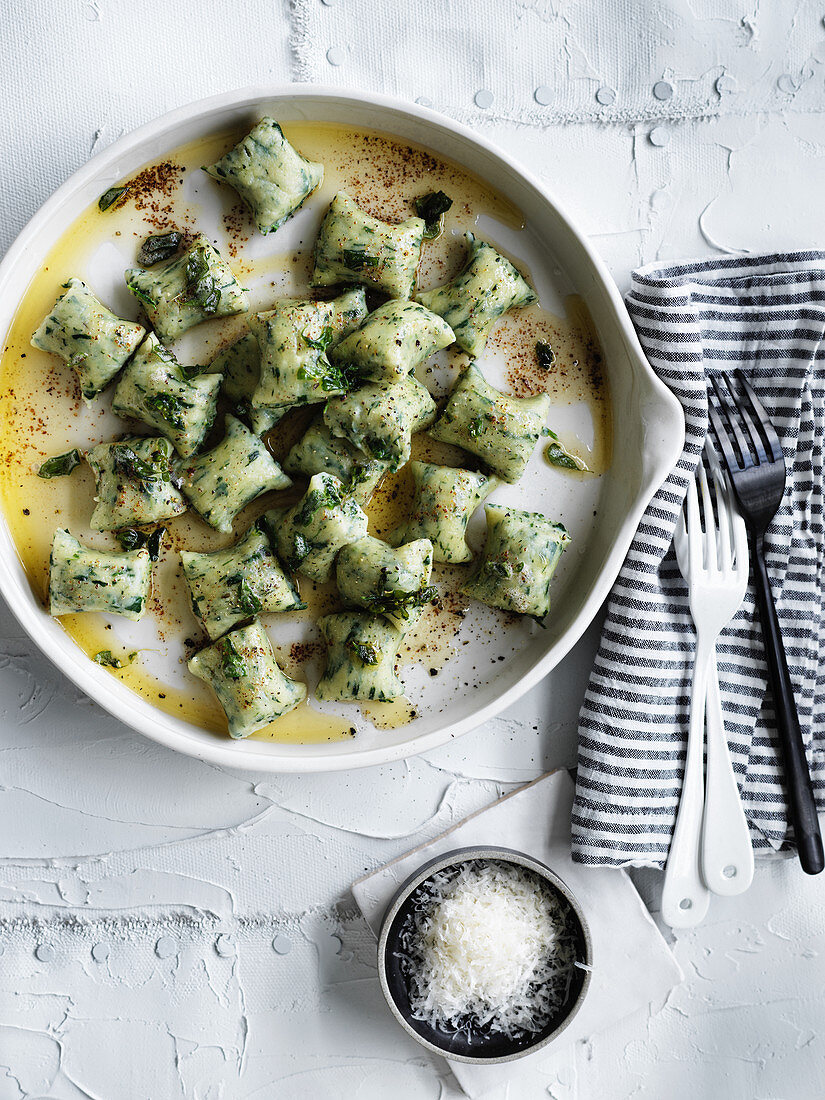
(764, 315)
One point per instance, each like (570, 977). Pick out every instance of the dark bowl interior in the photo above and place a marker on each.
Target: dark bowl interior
(484, 1045)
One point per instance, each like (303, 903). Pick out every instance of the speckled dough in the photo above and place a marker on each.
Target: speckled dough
(294, 370)
(393, 340)
(392, 583)
(269, 175)
(443, 502)
(318, 452)
(228, 586)
(240, 362)
(361, 654)
(310, 534)
(221, 482)
(482, 292)
(88, 336)
(240, 366)
(381, 420)
(353, 247)
(155, 390)
(242, 671)
(520, 557)
(169, 292)
(83, 579)
(500, 430)
(132, 492)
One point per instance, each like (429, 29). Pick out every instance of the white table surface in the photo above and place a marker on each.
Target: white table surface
(123, 864)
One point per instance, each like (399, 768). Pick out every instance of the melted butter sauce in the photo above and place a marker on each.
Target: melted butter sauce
(576, 377)
(41, 413)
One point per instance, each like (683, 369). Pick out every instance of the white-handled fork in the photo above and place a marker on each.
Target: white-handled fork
(711, 847)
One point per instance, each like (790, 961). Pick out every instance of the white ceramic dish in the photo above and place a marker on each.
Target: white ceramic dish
(647, 437)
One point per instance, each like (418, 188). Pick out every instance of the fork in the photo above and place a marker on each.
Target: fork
(755, 463)
(714, 562)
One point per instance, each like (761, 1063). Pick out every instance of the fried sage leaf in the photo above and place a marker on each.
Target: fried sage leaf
(431, 208)
(110, 197)
(160, 246)
(60, 465)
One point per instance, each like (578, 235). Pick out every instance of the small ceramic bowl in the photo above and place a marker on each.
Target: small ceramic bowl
(492, 1047)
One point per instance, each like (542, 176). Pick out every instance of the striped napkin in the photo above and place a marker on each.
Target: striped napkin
(763, 315)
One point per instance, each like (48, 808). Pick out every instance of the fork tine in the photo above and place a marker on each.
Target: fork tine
(680, 542)
(722, 438)
(757, 438)
(725, 547)
(732, 420)
(710, 556)
(694, 528)
(771, 437)
(724, 544)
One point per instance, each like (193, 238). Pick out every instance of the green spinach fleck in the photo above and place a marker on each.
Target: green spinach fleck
(400, 603)
(190, 372)
(357, 258)
(169, 407)
(142, 296)
(324, 374)
(127, 463)
(498, 568)
(201, 283)
(232, 663)
(301, 549)
(247, 600)
(106, 658)
(323, 341)
(366, 654)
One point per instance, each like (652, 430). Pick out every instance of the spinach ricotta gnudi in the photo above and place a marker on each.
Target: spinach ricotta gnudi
(444, 499)
(271, 177)
(520, 557)
(89, 337)
(133, 483)
(157, 390)
(292, 338)
(353, 247)
(221, 482)
(394, 339)
(500, 430)
(487, 287)
(84, 579)
(388, 582)
(309, 535)
(186, 290)
(251, 687)
(239, 364)
(381, 420)
(361, 653)
(320, 452)
(229, 586)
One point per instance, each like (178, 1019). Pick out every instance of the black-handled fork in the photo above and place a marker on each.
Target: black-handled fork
(756, 467)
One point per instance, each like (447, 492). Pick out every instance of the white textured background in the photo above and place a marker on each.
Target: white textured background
(123, 864)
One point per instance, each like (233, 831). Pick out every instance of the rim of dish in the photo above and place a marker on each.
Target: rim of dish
(135, 711)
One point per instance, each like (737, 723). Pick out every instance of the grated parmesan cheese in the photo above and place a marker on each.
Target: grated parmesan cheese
(488, 946)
